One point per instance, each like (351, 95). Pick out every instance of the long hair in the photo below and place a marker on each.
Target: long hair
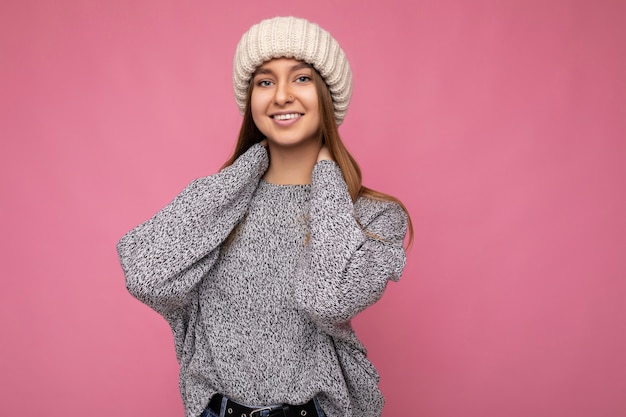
(249, 134)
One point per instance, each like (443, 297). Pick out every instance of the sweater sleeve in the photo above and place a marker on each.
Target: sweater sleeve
(346, 267)
(165, 258)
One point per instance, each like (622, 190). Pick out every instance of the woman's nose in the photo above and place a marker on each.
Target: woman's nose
(283, 94)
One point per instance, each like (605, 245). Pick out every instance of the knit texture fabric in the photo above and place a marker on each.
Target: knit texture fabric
(291, 37)
(265, 318)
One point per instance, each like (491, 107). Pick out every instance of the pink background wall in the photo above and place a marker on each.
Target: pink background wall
(502, 125)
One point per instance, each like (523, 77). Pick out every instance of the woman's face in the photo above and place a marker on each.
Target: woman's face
(284, 102)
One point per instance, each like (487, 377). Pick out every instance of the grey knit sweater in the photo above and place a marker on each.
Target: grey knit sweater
(264, 317)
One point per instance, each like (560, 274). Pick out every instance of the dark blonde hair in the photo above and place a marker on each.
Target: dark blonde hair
(249, 134)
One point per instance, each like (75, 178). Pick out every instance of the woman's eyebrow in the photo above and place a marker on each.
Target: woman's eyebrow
(299, 66)
(262, 70)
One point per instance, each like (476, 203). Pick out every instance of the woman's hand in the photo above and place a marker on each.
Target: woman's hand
(324, 154)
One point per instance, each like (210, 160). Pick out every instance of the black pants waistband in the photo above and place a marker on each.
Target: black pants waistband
(234, 409)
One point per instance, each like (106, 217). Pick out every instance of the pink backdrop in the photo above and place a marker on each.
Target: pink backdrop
(502, 126)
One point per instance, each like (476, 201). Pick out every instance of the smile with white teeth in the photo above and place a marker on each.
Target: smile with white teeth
(286, 116)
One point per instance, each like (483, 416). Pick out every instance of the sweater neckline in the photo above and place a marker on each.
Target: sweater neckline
(283, 192)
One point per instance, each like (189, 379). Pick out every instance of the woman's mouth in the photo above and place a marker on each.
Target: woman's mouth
(287, 116)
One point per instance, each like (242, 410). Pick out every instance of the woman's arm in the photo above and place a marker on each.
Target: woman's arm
(346, 267)
(166, 257)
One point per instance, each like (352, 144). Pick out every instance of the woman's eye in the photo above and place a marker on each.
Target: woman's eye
(264, 83)
(303, 79)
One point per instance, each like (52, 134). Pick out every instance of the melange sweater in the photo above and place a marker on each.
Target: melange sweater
(262, 314)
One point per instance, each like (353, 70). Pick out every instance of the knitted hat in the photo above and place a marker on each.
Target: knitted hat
(291, 37)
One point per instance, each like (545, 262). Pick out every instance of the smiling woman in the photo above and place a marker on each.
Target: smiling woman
(259, 268)
(285, 106)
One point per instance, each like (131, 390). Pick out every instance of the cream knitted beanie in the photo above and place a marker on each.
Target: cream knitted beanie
(291, 37)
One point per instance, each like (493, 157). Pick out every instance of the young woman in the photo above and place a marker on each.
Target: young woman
(259, 268)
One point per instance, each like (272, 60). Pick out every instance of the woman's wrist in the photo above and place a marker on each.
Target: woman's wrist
(324, 154)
